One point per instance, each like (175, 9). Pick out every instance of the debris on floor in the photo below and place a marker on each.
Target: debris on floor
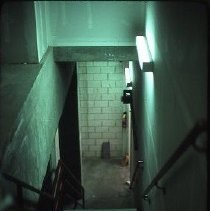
(125, 160)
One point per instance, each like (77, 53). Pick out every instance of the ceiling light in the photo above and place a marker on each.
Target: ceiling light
(144, 56)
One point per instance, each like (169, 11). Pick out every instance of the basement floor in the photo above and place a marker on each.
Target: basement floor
(105, 184)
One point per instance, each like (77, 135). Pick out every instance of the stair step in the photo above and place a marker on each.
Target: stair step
(126, 209)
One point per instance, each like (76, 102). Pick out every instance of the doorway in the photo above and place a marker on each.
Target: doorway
(69, 130)
(100, 87)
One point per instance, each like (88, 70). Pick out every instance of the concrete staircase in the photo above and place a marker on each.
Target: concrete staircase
(126, 209)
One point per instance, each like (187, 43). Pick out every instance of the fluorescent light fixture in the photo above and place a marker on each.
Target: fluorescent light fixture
(127, 76)
(144, 56)
(130, 65)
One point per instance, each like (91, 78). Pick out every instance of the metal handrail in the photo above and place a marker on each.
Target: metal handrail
(139, 163)
(62, 180)
(20, 185)
(26, 186)
(189, 140)
(75, 180)
(71, 174)
(57, 196)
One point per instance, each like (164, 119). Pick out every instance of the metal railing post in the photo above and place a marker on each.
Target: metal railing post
(134, 178)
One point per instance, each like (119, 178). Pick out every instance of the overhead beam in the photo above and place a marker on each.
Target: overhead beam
(95, 53)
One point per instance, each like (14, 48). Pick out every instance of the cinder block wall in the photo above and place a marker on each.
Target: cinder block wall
(100, 86)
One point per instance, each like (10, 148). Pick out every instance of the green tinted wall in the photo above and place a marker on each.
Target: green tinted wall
(32, 138)
(172, 99)
(95, 23)
(18, 33)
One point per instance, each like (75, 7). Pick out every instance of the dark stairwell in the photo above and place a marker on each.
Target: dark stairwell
(167, 102)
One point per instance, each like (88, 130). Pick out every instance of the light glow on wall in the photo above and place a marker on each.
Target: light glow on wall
(149, 99)
(41, 27)
(149, 120)
(149, 92)
(151, 31)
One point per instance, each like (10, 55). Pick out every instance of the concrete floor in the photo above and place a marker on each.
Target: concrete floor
(105, 184)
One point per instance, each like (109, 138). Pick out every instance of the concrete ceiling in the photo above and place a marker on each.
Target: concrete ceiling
(95, 23)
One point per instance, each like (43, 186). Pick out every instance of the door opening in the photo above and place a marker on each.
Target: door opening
(100, 86)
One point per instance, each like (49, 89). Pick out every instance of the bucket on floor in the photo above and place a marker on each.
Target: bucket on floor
(105, 151)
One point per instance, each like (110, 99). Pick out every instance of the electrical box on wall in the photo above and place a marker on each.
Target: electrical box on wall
(127, 96)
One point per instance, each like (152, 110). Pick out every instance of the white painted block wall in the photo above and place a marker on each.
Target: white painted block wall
(100, 87)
